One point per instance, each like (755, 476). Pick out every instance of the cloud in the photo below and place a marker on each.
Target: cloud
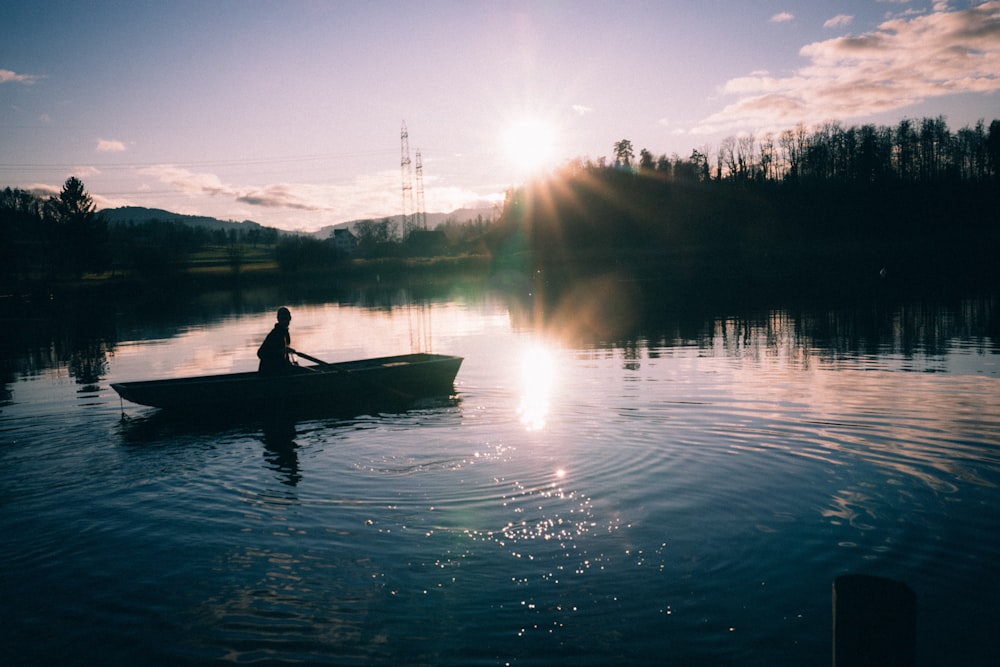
(42, 189)
(581, 109)
(7, 76)
(782, 17)
(285, 195)
(902, 62)
(839, 21)
(187, 181)
(110, 146)
(83, 172)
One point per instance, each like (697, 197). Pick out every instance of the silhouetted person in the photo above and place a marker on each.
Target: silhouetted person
(273, 352)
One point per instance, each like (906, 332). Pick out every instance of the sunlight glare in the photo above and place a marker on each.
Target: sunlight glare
(537, 378)
(529, 144)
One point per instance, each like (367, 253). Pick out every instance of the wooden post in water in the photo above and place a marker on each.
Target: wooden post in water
(874, 622)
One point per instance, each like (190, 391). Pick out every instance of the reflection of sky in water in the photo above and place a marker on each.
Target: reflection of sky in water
(328, 331)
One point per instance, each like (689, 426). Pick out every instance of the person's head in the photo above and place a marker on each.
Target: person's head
(284, 315)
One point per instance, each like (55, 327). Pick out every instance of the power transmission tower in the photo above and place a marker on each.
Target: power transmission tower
(421, 220)
(407, 176)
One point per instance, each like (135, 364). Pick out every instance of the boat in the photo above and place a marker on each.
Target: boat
(399, 379)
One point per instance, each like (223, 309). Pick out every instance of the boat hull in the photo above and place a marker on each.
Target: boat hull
(398, 378)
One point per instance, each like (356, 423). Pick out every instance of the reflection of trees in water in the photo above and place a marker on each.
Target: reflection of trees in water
(89, 363)
(80, 337)
(81, 334)
(6, 379)
(83, 343)
(872, 329)
(639, 317)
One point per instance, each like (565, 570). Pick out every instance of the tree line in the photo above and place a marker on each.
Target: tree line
(46, 240)
(52, 237)
(915, 198)
(924, 151)
(383, 239)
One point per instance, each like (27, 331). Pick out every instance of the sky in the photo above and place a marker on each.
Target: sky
(290, 113)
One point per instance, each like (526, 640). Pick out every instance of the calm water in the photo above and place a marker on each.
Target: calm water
(682, 489)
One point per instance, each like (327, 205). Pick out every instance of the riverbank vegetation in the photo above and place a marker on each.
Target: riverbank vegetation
(913, 202)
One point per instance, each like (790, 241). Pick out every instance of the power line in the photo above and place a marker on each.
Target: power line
(198, 163)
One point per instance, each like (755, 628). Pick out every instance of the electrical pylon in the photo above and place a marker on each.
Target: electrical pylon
(421, 220)
(407, 176)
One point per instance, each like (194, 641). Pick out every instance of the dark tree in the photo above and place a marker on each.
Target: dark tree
(624, 154)
(300, 253)
(993, 148)
(646, 160)
(79, 235)
(375, 237)
(74, 202)
(21, 238)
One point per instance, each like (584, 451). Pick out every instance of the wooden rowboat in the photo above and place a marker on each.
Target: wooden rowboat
(399, 378)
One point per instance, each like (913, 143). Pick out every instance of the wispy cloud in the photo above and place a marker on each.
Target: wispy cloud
(581, 109)
(902, 62)
(187, 181)
(110, 146)
(7, 76)
(85, 171)
(839, 21)
(41, 189)
(782, 17)
(278, 195)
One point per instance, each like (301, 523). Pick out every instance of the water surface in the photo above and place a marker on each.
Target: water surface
(680, 492)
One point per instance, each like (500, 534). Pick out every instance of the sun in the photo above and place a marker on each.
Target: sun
(529, 144)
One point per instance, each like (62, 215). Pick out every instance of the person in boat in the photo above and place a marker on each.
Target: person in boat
(274, 351)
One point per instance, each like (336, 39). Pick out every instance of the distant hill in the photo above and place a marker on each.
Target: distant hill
(139, 215)
(433, 220)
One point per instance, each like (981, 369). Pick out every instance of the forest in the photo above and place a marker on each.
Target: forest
(914, 202)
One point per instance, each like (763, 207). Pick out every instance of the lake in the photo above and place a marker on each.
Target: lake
(616, 480)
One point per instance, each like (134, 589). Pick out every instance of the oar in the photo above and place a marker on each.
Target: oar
(377, 385)
(312, 359)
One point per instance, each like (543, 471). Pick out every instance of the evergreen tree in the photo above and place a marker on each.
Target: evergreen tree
(79, 236)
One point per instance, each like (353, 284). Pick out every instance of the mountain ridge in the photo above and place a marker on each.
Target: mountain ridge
(142, 214)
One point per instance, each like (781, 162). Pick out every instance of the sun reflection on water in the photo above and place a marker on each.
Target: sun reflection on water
(538, 374)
